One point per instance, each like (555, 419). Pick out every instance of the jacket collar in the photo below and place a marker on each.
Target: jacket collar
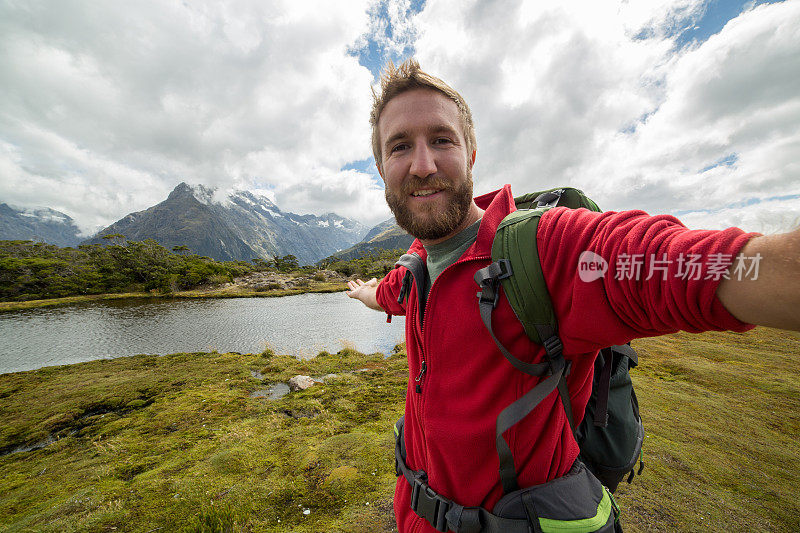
(496, 206)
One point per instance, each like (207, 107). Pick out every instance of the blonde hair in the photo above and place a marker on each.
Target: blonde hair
(408, 76)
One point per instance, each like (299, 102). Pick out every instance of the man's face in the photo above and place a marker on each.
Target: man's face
(426, 168)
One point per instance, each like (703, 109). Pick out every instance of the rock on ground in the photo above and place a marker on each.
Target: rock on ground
(298, 382)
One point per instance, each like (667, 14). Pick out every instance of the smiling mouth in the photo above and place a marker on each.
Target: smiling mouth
(425, 192)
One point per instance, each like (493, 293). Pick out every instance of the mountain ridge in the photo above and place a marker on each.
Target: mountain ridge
(237, 226)
(386, 235)
(38, 224)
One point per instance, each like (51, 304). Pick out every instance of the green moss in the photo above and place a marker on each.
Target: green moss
(158, 439)
(145, 442)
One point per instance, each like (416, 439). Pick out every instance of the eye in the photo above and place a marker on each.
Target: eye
(442, 140)
(399, 147)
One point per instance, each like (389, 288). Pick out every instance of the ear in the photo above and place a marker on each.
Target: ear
(380, 171)
(472, 159)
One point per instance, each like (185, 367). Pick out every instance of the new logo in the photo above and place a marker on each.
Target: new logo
(591, 266)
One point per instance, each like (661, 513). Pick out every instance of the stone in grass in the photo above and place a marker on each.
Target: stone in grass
(300, 383)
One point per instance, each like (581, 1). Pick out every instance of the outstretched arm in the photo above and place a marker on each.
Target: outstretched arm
(365, 291)
(772, 298)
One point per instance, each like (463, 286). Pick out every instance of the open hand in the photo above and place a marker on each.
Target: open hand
(364, 291)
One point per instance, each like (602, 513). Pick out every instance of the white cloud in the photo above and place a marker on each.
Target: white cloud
(391, 30)
(544, 85)
(768, 216)
(557, 90)
(734, 96)
(105, 110)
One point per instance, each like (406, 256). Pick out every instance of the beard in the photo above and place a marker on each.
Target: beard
(433, 223)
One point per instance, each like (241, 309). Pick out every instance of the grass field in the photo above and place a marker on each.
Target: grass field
(173, 443)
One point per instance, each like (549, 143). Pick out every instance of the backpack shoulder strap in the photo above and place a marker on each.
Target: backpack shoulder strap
(517, 268)
(525, 287)
(515, 241)
(417, 273)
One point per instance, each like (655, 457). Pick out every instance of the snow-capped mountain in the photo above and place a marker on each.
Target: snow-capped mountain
(241, 225)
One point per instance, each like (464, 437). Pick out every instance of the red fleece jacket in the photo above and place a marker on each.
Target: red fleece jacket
(449, 425)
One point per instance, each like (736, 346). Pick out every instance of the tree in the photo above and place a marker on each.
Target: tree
(287, 263)
(117, 238)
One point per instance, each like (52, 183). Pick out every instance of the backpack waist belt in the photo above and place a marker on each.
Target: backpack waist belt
(538, 509)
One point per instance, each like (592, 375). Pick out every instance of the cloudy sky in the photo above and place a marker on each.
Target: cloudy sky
(687, 107)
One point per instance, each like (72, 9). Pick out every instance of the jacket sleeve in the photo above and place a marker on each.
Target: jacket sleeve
(389, 291)
(661, 277)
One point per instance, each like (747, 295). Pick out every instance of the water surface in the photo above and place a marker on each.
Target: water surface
(301, 325)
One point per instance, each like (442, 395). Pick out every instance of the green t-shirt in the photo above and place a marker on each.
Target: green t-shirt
(444, 254)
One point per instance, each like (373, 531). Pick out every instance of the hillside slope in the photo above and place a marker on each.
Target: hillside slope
(385, 236)
(40, 224)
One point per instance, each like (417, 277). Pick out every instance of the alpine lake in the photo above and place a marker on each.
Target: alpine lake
(300, 325)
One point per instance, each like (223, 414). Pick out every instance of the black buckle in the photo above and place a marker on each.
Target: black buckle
(489, 280)
(548, 199)
(489, 292)
(553, 347)
(555, 356)
(425, 502)
(505, 269)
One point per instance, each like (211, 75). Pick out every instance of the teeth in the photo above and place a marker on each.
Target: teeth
(426, 192)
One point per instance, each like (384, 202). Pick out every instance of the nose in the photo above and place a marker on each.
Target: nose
(422, 162)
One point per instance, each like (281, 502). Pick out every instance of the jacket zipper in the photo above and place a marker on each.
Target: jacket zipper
(459, 262)
(423, 365)
(421, 376)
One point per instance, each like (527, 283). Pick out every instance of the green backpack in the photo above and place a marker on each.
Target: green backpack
(611, 433)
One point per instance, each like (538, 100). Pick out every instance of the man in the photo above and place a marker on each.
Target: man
(424, 146)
